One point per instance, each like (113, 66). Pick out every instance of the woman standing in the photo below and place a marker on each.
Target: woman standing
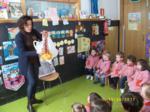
(28, 58)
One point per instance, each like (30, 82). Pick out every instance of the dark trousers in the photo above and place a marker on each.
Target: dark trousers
(89, 71)
(122, 82)
(32, 78)
(113, 81)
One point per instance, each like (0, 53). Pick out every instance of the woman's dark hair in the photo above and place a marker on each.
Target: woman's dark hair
(144, 64)
(23, 21)
(101, 106)
(132, 102)
(94, 96)
(78, 107)
(132, 58)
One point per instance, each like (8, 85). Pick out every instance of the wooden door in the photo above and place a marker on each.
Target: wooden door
(111, 41)
(134, 40)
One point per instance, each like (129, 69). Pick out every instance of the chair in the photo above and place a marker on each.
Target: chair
(50, 78)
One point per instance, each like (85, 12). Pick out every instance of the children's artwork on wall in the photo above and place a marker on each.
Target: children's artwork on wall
(134, 21)
(80, 28)
(61, 60)
(15, 10)
(83, 44)
(3, 14)
(99, 45)
(13, 80)
(71, 49)
(55, 61)
(61, 51)
(148, 45)
(95, 29)
(10, 50)
(1, 60)
(12, 32)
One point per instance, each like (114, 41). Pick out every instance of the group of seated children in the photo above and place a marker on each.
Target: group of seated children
(134, 73)
(131, 102)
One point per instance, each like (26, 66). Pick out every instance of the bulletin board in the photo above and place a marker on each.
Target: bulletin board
(72, 62)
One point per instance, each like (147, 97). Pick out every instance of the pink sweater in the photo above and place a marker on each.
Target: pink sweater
(138, 79)
(116, 68)
(91, 62)
(146, 106)
(104, 66)
(128, 70)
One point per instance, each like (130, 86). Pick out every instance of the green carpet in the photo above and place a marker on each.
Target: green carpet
(60, 98)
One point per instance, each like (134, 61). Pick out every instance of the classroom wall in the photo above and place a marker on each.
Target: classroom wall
(112, 7)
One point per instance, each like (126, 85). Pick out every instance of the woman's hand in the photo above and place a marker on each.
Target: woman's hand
(44, 34)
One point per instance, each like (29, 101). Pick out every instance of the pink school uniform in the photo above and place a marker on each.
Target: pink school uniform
(116, 68)
(87, 107)
(128, 71)
(91, 62)
(139, 78)
(146, 106)
(103, 66)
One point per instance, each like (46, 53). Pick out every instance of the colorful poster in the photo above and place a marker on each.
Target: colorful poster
(99, 45)
(3, 14)
(12, 78)
(62, 60)
(134, 21)
(12, 32)
(61, 51)
(148, 45)
(55, 61)
(10, 50)
(15, 10)
(83, 44)
(95, 30)
(71, 49)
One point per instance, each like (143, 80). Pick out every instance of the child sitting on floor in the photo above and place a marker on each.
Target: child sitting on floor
(91, 61)
(145, 92)
(132, 102)
(78, 107)
(101, 106)
(127, 72)
(116, 68)
(91, 98)
(140, 77)
(102, 69)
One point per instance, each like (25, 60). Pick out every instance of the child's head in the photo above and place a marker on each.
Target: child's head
(101, 106)
(132, 102)
(131, 60)
(78, 107)
(142, 65)
(93, 96)
(145, 91)
(93, 51)
(119, 56)
(106, 56)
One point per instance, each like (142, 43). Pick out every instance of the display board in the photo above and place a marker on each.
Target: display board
(69, 40)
